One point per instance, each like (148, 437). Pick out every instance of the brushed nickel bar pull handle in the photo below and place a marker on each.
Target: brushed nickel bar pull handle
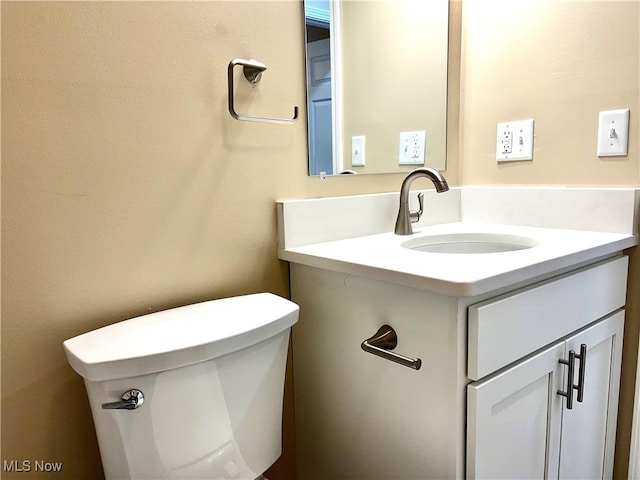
(252, 70)
(569, 393)
(131, 399)
(581, 369)
(381, 344)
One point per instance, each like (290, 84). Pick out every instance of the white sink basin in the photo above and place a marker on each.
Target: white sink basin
(470, 242)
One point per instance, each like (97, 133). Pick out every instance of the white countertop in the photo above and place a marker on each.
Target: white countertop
(381, 257)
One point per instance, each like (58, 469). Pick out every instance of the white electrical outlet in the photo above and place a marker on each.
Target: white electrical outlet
(505, 139)
(514, 141)
(357, 151)
(412, 148)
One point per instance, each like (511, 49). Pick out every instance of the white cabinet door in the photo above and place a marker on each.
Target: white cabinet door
(588, 430)
(519, 427)
(514, 418)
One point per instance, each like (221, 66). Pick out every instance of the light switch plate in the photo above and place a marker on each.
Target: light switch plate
(358, 151)
(514, 141)
(613, 133)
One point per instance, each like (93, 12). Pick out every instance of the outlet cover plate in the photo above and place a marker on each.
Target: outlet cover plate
(514, 141)
(412, 148)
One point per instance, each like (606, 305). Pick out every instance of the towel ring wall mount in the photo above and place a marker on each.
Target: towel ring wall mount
(252, 70)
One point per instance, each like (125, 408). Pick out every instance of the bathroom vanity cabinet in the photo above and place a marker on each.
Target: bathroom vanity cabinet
(518, 426)
(496, 333)
(486, 401)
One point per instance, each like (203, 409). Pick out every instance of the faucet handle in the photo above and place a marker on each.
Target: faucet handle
(415, 216)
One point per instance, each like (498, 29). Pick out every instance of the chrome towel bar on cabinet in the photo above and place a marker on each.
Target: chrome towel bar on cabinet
(381, 344)
(252, 70)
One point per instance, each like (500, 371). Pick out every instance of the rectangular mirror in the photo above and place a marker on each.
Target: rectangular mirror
(376, 69)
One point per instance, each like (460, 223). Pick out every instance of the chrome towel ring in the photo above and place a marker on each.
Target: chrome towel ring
(252, 70)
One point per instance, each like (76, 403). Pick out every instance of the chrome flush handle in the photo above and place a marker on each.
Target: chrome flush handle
(131, 399)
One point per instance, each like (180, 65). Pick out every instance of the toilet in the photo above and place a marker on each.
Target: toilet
(194, 392)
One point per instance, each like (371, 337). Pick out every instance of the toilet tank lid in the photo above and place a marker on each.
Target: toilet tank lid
(179, 336)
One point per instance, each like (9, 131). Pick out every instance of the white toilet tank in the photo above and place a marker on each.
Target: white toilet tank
(211, 376)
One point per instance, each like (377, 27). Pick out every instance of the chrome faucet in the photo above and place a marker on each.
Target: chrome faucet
(405, 216)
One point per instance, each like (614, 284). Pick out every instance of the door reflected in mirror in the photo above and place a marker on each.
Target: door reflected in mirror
(376, 69)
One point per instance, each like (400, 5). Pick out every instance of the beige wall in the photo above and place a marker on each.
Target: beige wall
(559, 62)
(127, 188)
